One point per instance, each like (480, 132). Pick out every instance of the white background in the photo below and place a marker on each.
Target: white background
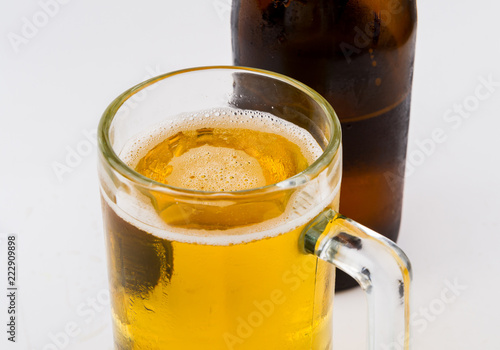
(55, 85)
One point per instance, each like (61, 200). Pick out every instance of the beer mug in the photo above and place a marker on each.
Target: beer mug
(223, 258)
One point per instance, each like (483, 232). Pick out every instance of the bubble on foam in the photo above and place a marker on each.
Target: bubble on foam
(301, 208)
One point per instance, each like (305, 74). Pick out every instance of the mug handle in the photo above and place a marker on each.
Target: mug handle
(380, 267)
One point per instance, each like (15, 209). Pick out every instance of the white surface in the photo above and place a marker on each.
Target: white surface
(55, 88)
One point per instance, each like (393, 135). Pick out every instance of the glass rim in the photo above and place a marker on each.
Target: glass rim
(313, 170)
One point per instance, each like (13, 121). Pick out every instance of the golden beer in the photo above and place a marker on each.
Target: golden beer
(194, 274)
(221, 224)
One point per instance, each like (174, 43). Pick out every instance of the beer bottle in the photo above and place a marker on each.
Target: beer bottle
(359, 55)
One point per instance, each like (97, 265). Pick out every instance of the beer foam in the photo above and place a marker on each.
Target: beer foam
(233, 118)
(306, 202)
(298, 213)
(229, 174)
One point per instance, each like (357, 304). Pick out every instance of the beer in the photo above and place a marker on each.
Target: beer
(228, 276)
(359, 55)
(242, 158)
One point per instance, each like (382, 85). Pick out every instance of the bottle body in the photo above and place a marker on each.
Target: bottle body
(359, 55)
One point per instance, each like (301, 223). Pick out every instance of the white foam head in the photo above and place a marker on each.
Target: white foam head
(233, 118)
(217, 169)
(306, 202)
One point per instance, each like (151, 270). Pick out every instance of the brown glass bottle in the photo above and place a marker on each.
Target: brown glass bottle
(358, 54)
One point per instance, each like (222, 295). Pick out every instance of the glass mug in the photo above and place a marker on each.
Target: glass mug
(247, 269)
